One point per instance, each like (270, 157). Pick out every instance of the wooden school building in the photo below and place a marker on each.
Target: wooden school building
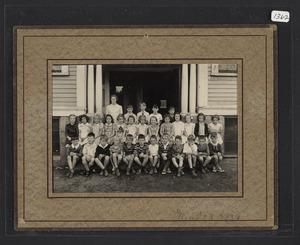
(86, 89)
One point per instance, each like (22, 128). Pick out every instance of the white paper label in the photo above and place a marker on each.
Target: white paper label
(280, 16)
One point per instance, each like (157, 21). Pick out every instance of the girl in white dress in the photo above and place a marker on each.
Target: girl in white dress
(84, 129)
(97, 128)
(142, 127)
(216, 127)
(178, 126)
(189, 127)
(131, 128)
(120, 123)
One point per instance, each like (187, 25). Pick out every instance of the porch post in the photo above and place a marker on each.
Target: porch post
(184, 89)
(99, 89)
(193, 88)
(91, 91)
(81, 87)
(202, 84)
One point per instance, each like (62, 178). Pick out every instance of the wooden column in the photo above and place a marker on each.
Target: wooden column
(202, 83)
(99, 89)
(91, 89)
(81, 86)
(184, 89)
(193, 89)
(106, 90)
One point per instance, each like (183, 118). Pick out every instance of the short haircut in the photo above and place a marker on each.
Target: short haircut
(202, 137)
(215, 116)
(72, 115)
(141, 117)
(131, 116)
(155, 106)
(119, 116)
(141, 136)
(177, 113)
(86, 117)
(188, 115)
(108, 115)
(213, 135)
(191, 137)
(116, 138)
(171, 108)
(103, 137)
(129, 106)
(178, 137)
(114, 95)
(154, 118)
(74, 138)
(143, 104)
(129, 136)
(166, 135)
(91, 134)
(153, 137)
(199, 115)
(167, 115)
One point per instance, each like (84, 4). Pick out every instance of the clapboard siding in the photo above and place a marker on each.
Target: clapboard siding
(221, 90)
(64, 89)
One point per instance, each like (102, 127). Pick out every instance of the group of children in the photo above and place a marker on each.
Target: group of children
(144, 142)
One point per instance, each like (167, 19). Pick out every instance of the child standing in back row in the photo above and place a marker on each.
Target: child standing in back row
(201, 127)
(142, 127)
(156, 114)
(143, 111)
(130, 113)
(216, 127)
(84, 129)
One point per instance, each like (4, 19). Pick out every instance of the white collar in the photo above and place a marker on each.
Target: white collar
(103, 146)
(73, 146)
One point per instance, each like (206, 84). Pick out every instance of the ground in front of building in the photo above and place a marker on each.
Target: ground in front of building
(209, 182)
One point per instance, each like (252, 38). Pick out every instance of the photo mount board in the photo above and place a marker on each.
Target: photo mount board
(255, 203)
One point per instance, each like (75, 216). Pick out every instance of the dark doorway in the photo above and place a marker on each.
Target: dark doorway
(158, 86)
(231, 136)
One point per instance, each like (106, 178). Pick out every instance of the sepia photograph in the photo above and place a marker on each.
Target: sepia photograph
(145, 128)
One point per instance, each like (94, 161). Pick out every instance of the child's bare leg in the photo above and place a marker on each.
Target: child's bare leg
(75, 161)
(166, 163)
(189, 158)
(99, 163)
(207, 160)
(194, 159)
(181, 162)
(201, 160)
(155, 160)
(91, 163)
(174, 161)
(151, 160)
(85, 163)
(137, 160)
(70, 163)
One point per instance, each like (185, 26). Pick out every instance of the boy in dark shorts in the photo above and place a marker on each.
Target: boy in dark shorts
(141, 154)
(165, 152)
(74, 152)
(128, 150)
(203, 153)
(102, 155)
(215, 150)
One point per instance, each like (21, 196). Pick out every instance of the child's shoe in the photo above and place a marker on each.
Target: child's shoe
(206, 169)
(214, 169)
(178, 174)
(128, 172)
(105, 172)
(71, 175)
(194, 173)
(164, 171)
(169, 171)
(117, 172)
(220, 170)
(151, 171)
(203, 170)
(101, 173)
(139, 171)
(155, 170)
(133, 171)
(87, 174)
(145, 171)
(113, 172)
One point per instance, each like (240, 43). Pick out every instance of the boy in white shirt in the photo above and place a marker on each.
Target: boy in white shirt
(156, 114)
(190, 152)
(143, 111)
(88, 153)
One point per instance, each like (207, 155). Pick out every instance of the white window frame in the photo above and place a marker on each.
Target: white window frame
(215, 72)
(64, 70)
